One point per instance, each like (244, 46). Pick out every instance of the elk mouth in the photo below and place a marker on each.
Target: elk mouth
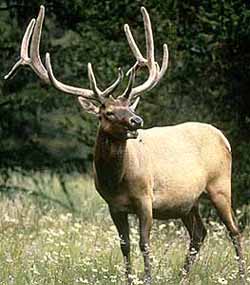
(129, 132)
(132, 134)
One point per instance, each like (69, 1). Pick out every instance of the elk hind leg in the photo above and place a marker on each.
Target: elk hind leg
(220, 194)
(197, 233)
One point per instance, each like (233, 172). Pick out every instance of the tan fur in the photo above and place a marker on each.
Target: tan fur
(162, 175)
(173, 166)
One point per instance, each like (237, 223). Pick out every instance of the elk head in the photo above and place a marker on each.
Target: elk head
(117, 115)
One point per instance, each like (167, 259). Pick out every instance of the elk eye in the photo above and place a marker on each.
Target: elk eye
(109, 113)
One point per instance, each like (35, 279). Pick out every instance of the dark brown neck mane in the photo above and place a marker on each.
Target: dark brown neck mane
(109, 160)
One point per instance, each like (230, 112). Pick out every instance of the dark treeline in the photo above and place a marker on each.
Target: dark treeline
(207, 80)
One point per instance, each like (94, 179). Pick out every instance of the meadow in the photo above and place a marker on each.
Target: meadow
(55, 229)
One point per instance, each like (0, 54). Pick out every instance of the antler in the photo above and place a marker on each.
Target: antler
(33, 33)
(155, 73)
(34, 61)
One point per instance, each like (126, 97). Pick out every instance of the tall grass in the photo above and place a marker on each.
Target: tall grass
(55, 229)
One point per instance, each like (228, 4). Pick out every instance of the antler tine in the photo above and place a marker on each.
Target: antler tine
(161, 71)
(133, 45)
(35, 59)
(93, 84)
(101, 95)
(24, 57)
(85, 93)
(127, 92)
(24, 53)
(155, 73)
(112, 87)
(149, 37)
(164, 65)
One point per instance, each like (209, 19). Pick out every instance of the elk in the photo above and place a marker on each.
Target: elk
(156, 173)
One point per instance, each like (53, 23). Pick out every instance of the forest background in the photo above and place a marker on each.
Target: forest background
(208, 78)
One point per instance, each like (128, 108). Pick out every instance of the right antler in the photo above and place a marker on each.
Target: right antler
(155, 73)
(33, 32)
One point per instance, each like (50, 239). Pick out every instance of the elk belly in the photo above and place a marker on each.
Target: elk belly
(164, 211)
(175, 202)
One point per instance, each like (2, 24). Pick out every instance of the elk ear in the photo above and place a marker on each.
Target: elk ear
(88, 106)
(133, 106)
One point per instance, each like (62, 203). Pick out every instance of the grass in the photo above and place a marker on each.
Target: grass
(55, 229)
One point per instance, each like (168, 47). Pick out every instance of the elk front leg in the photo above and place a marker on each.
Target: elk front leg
(120, 220)
(144, 213)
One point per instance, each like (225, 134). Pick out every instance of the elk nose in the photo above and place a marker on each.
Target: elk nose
(136, 121)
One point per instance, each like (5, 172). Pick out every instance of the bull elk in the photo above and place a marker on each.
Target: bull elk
(156, 173)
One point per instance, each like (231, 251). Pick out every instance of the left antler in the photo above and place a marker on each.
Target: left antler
(30, 56)
(155, 73)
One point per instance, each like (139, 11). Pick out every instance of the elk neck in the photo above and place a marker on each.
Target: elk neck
(109, 160)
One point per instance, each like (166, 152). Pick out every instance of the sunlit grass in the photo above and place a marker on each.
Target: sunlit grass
(43, 241)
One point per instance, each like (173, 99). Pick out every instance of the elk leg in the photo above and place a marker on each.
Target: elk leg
(120, 220)
(222, 202)
(145, 223)
(197, 233)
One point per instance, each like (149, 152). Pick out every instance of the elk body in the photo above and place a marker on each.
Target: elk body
(156, 173)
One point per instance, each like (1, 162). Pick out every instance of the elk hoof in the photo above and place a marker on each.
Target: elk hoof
(148, 280)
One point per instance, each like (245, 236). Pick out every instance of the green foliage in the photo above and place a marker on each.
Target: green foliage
(43, 242)
(207, 79)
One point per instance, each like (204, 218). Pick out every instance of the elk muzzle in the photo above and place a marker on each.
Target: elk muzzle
(135, 122)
